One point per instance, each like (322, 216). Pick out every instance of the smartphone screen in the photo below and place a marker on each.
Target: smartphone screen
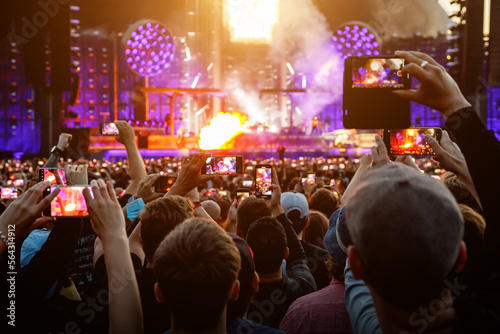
(70, 202)
(164, 183)
(412, 141)
(378, 73)
(304, 180)
(263, 181)
(241, 195)
(226, 165)
(222, 193)
(56, 176)
(8, 193)
(108, 129)
(311, 178)
(247, 183)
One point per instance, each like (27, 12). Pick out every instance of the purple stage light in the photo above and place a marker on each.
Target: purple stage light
(355, 38)
(145, 45)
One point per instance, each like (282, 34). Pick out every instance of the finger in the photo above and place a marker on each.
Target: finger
(88, 196)
(382, 149)
(275, 177)
(434, 145)
(411, 57)
(67, 169)
(79, 169)
(417, 72)
(424, 56)
(111, 190)
(46, 201)
(205, 178)
(446, 142)
(95, 190)
(102, 188)
(73, 168)
(33, 195)
(152, 179)
(408, 94)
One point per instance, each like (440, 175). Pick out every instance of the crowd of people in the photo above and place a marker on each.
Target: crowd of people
(372, 246)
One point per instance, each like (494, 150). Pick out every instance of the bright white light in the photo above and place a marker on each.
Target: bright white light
(251, 21)
(195, 81)
(487, 17)
(304, 81)
(297, 109)
(209, 67)
(290, 68)
(188, 54)
(199, 112)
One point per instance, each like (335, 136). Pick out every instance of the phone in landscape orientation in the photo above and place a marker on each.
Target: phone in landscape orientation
(369, 102)
(70, 202)
(241, 194)
(18, 182)
(311, 178)
(223, 165)
(263, 181)
(164, 183)
(51, 174)
(222, 193)
(108, 129)
(210, 193)
(410, 141)
(247, 183)
(8, 193)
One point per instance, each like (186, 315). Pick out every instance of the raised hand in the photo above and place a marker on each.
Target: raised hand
(379, 152)
(75, 174)
(126, 134)
(190, 174)
(64, 140)
(438, 90)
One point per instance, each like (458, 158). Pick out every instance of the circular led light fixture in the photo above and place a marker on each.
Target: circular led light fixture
(149, 48)
(356, 39)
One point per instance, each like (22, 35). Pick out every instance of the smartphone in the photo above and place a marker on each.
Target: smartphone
(210, 193)
(8, 193)
(311, 178)
(108, 129)
(247, 183)
(223, 165)
(222, 193)
(410, 141)
(263, 181)
(241, 194)
(51, 174)
(70, 202)
(164, 183)
(369, 102)
(304, 180)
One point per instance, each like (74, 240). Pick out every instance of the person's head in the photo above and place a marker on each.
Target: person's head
(474, 226)
(212, 209)
(267, 239)
(335, 270)
(407, 233)
(159, 218)
(324, 201)
(196, 269)
(224, 210)
(314, 232)
(296, 209)
(460, 191)
(248, 278)
(249, 210)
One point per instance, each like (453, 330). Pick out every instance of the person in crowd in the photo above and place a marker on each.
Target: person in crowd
(224, 206)
(212, 208)
(297, 210)
(324, 201)
(273, 239)
(460, 191)
(249, 210)
(196, 267)
(315, 231)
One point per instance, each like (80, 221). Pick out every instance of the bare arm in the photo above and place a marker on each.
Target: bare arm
(366, 161)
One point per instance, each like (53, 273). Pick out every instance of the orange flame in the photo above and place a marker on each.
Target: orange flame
(70, 207)
(221, 130)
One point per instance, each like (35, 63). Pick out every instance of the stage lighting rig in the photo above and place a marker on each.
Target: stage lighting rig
(356, 39)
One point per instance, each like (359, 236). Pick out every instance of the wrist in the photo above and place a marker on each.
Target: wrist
(113, 238)
(455, 106)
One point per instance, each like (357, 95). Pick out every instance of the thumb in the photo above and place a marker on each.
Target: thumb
(41, 221)
(407, 94)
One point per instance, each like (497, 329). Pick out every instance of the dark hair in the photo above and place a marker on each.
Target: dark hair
(474, 226)
(334, 269)
(324, 201)
(298, 223)
(267, 239)
(249, 210)
(159, 218)
(196, 267)
(224, 208)
(315, 231)
(460, 191)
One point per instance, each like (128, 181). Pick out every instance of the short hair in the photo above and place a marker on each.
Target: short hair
(335, 270)
(267, 239)
(297, 222)
(324, 201)
(159, 218)
(249, 210)
(474, 227)
(196, 267)
(212, 209)
(460, 191)
(407, 229)
(315, 231)
(224, 208)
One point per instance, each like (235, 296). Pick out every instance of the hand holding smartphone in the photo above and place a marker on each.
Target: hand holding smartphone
(410, 141)
(241, 194)
(8, 193)
(223, 165)
(108, 129)
(70, 202)
(56, 176)
(164, 183)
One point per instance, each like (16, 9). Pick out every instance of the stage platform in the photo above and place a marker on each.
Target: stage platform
(291, 153)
